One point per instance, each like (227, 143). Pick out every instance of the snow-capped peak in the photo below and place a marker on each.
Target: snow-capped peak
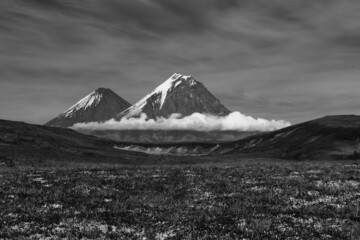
(162, 90)
(179, 94)
(98, 106)
(170, 83)
(90, 100)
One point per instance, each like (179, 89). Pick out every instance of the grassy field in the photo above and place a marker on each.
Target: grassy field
(255, 199)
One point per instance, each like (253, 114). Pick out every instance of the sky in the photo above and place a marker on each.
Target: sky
(294, 60)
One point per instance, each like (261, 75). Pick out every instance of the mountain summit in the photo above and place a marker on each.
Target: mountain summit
(178, 94)
(99, 106)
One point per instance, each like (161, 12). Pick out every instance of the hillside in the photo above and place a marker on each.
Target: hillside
(33, 145)
(331, 137)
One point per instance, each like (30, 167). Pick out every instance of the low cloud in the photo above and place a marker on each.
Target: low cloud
(235, 121)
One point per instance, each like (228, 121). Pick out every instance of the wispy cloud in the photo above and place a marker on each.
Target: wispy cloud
(290, 51)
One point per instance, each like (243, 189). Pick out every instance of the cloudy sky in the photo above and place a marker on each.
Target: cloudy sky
(278, 59)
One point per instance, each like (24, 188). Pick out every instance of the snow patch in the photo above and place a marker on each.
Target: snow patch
(162, 90)
(90, 100)
(166, 86)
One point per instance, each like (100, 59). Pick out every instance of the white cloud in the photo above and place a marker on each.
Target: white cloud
(235, 121)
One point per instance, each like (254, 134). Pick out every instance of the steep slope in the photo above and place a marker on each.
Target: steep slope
(178, 94)
(331, 137)
(35, 145)
(100, 105)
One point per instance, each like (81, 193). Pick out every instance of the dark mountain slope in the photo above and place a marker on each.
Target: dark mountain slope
(27, 144)
(328, 138)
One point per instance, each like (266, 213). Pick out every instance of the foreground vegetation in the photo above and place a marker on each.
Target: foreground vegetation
(249, 200)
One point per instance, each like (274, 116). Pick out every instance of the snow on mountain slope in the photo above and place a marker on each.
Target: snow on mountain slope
(178, 94)
(172, 82)
(100, 105)
(90, 100)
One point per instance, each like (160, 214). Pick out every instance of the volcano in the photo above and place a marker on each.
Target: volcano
(179, 94)
(99, 106)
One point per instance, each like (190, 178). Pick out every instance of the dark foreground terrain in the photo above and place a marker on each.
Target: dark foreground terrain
(250, 199)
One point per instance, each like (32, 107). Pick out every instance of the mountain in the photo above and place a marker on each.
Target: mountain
(331, 137)
(36, 145)
(178, 94)
(99, 106)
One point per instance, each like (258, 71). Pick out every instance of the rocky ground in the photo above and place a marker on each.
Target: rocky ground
(250, 200)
